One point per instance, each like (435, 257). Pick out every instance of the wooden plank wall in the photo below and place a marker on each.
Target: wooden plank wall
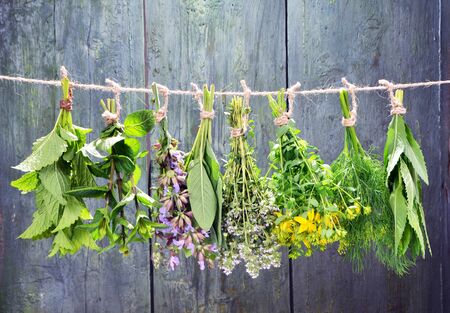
(268, 43)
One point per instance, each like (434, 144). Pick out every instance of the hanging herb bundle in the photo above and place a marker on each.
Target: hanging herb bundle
(304, 189)
(204, 180)
(361, 177)
(249, 208)
(182, 235)
(55, 166)
(405, 164)
(114, 158)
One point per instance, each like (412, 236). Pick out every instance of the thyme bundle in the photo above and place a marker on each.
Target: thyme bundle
(249, 204)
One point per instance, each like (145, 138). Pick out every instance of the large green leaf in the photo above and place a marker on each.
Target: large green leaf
(71, 213)
(409, 184)
(55, 181)
(82, 237)
(415, 156)
(101, 148)
(44, 217)
(27, 182)
(398, 144)
(61, 244)
(399, 208)
(415, 224)
(139, 123)
(202, 195)
(46, 150)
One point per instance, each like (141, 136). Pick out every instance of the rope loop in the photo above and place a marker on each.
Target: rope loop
(162, 112)
(286, 116)
(198, 94)
(351, 88)
(110, 117)
(397, 107)
(66, 104)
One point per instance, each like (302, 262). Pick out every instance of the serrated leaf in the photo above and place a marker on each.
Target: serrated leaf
(44, 217)
(202, 195)
(139, 123)
(27, 182)
(409, 184)
(85, 214)
(415, 156)
(46, 151)
(88, 192)
(82, 237)
(55, 181)
(399, 208)
(415, 225)
(71, 213)
(81, 174)
(398, 144)
(424, 225)
(61, 244)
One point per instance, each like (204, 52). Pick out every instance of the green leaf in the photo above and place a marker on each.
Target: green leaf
(139, 123)
(415, 225)
(46, 150)
(55, 181)
(81, 134)
(61, 244)
(145, 199)
(409, 184)
(424, 225)
(71, 213)
(85, 214)
(82, 237)
(119, 206)
(67, 135)
(98, 147)
(399, 208)
(202, 195)
(81, 174)
(88, 192)
(398, 144)
(123, 164)
(135, 146)
(415, 156)
(27, 182)
(44, 217)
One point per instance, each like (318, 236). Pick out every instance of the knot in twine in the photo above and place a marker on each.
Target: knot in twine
(237, 132)
(162, 112)
(65, 104)
(286, 116)
(198, 97)
(109, 117)
(351, 121)
(396, 105)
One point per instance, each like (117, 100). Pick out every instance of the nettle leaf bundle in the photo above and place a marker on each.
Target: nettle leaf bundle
(249, 204)
(55, 166)
(305, 191)
(405, 166)
(369, 224)
(204, 180)
(182, 234)
(113, 159)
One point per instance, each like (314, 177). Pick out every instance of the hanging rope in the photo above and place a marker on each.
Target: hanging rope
(351, 121)
(286, 116)
(198, 97)
(396, 105)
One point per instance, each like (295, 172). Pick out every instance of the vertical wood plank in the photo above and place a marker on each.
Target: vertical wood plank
(220, 42)
(95, 40)
(396, 40)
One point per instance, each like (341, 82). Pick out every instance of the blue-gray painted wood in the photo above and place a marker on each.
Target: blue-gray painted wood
(176, 42)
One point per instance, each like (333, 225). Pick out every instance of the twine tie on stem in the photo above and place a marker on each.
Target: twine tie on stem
(66, 104)
(198, 97)
(237, 132)
(110, 117)
(396, 105)
(286, 116)
(162, 112)
(351, 121)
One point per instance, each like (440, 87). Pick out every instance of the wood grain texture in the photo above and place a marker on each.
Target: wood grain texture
(94, 40)
(218, 42)
(396, 40)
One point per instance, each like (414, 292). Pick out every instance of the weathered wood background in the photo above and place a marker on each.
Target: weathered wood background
(268, 43)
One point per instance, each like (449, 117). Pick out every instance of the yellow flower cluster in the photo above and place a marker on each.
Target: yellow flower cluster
(311, 229)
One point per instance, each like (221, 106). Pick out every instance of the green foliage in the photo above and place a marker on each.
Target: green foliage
(405, 164)
(204, 180)
(139, 123)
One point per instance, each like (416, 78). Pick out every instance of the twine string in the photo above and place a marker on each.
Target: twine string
(286, 116)
(66, 104)
(110, 117)
(198, 94)
(162, 112)
(351, 121)
(396, 105)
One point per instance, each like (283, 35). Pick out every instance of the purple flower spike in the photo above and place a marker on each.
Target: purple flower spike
(191, 247)
(174, 261)
(176, 188)
(179, 243)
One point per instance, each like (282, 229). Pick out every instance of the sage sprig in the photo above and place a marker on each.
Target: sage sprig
(113, 158)
(182, 236)
(249, 204)
(55, 166)
(405, 166)
(204, 180)
(369, 223)
(311, 218)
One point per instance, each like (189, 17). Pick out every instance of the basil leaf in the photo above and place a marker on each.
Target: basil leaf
(139, 123)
